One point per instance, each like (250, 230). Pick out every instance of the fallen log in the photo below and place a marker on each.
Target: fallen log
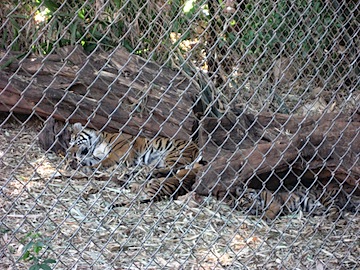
(290, 151)
(114, 92)
(122, 92)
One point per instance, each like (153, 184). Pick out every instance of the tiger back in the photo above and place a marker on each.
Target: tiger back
(318, 200)
(91, 148)
(307, 200)
(311, 201)
(165, 153)
(257, 202)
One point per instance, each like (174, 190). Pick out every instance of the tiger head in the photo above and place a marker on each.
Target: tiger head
(82, 144)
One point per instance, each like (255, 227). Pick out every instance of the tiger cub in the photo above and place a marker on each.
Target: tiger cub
(313, 201)
(92, 148)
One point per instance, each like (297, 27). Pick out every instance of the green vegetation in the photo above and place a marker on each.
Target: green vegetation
(32, 252)
(296, 25)
(139, 26)
(252, 36)
(144, 27)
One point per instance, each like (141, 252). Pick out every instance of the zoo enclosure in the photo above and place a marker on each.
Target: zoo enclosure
(293, 58)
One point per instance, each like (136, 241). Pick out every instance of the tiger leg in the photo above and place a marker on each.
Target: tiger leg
(157, 189)
(272, 205)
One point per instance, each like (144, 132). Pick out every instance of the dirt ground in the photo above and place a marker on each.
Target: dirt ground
(70, 217)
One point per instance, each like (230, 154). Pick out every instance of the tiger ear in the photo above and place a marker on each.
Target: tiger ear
(77, 127)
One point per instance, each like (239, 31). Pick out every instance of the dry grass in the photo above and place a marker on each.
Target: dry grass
(181, 234)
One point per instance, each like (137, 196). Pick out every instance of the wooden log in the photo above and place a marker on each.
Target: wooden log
(324, 149)
(117, 92)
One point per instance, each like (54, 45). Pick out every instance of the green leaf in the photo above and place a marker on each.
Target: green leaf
(34, 267)
(28, 246)
(89, 47)
(37, 248)
(33, 235)
(50, 5)
(117, 3)
(73, 31)
(127, 45)
(49, 261)
(81, 14)
(7, 63)
(44, 266)
(4, 230)
(26, 255)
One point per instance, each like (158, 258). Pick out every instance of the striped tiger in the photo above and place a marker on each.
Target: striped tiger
(91, 149)
(313, 201)
(169, 185)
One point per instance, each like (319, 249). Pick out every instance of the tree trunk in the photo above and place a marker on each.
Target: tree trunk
(116, 91)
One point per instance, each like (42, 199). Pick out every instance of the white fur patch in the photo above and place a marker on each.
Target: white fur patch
(102, 150)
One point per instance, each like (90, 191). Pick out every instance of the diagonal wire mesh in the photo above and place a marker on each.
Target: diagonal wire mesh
(268, 91)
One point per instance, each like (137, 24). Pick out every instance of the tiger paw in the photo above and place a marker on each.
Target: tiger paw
(135, 187)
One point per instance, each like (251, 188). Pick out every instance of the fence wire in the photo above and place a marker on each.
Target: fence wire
(266, 92)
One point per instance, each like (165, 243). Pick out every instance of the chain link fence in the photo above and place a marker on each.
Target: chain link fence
(267, 90)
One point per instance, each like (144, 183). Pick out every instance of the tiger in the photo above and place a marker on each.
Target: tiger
(169, 185)
(92, 149)
(312, 201)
